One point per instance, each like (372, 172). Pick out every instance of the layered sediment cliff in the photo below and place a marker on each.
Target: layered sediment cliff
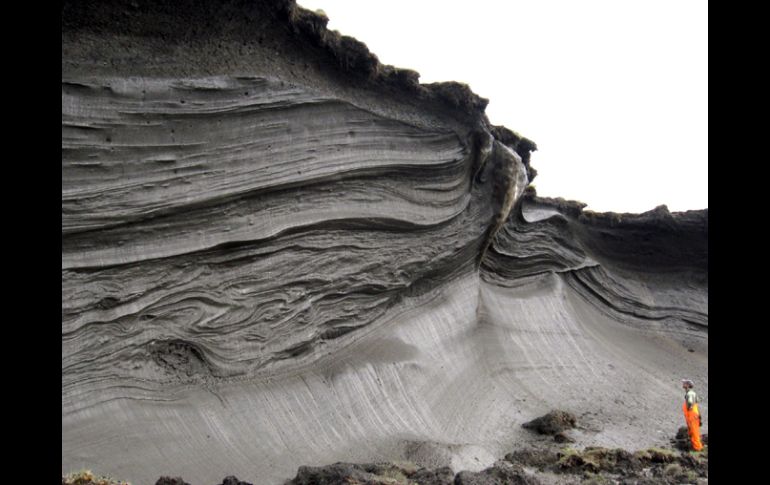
(278, 252)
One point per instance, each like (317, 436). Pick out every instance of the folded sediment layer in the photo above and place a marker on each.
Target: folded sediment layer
(649, 269)
(278, 252)
(219, 235)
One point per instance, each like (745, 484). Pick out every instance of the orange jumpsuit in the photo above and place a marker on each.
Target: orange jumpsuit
(692, 417)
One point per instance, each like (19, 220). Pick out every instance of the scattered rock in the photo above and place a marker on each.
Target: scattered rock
(334, 474)
(657, 455)
(539, 459)
(655, 465)
(171, 481)
(674, 472)
(593, 465)
(502, 473)
(682, 439)
(231, 480)
(372, 474)
(552, 423)
(439, 476)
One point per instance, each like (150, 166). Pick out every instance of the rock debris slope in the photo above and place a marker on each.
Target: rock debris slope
(277, 252)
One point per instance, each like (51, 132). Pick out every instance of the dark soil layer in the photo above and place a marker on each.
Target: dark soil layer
(592, 465)
(554, 423)
(529, 467)
(682, 439)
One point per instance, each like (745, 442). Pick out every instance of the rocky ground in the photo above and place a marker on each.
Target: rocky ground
(551, 463)
(589, 466)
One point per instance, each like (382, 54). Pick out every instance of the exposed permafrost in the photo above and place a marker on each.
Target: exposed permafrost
(510, 180)
(277, 251)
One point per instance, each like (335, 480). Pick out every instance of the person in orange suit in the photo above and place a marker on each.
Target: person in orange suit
(692, 414)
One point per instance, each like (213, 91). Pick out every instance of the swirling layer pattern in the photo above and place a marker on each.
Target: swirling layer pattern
(214, 228)
(277, 252)
(645, 269)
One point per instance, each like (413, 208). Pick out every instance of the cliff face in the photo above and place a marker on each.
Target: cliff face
(277, 251)
(646, 269)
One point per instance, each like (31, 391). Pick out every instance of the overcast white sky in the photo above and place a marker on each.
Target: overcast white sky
(614, 92)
